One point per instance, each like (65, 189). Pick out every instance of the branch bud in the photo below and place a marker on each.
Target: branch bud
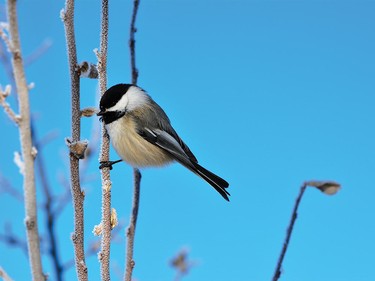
(327, 187)
(87, 70)
(88, 111)
(77, 148)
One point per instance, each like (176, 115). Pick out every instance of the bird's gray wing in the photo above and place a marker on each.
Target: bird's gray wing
(158, 119)
(167, 142)
(185, 148)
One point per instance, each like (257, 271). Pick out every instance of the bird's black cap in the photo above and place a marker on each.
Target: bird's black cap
(113, 95)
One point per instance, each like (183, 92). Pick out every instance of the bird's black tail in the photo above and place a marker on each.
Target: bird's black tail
(215, 181)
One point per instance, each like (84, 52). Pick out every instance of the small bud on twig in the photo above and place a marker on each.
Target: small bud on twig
(3, 95)
(98, 229)
(78, 148)
(89, 111)
(87, 70)
(62, 15)
(327, 187)
(31, 86)
(107, 186)
(114, 219)
(34, 152)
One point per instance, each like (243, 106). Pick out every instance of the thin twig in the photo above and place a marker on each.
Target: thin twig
(37, 53)
(130, 263)
(8, 110)
(104, 256)
(4, 275)
(133, 30)
(93, 247)
(7, 187)
(277, 273)
(31, 221)
(77, 194)
(10, 238)
(49, 213)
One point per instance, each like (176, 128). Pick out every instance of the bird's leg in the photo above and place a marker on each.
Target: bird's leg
(108, 164)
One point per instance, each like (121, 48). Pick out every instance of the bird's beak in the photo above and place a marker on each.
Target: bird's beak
(100, 113)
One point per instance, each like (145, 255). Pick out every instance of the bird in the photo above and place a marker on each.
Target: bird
(142, 135)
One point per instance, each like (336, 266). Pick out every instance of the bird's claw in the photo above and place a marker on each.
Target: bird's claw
(106, 164)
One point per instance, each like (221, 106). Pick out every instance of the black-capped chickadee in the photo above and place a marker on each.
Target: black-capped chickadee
(142, 134)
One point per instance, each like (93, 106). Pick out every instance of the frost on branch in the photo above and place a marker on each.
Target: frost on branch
(4, 28)
(18, 161)
(77, 148)
(4, 93)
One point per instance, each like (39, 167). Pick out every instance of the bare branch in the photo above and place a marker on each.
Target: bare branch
(26, 145)
(277, 273)
(94, 246)
(36, 54)
(133, 30)
(50, 214)
(4, 275)
(6, 187)
(130, 263)
(67, 17)
(104, 255)
(12, 239)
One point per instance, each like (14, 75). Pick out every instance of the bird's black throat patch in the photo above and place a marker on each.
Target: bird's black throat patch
(110, 116)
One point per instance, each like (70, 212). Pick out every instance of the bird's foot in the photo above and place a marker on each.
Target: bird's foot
(108, 164)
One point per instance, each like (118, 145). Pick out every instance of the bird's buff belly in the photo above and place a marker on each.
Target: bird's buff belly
(135, 150)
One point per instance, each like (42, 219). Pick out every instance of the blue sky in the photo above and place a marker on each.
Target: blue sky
(267, 94)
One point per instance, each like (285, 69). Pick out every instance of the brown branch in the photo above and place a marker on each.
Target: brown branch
(130, 263)
(31, 221)
(104, 255)
(67, 17)
(277, 273)
(133, 30)
(50, 215)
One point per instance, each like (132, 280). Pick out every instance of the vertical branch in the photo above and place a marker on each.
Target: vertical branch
(28, 155)
(131, 229)
(50, 215)
(133, 30)
(137, 174)
(104, 153)
(277, 273)
(67, 17)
